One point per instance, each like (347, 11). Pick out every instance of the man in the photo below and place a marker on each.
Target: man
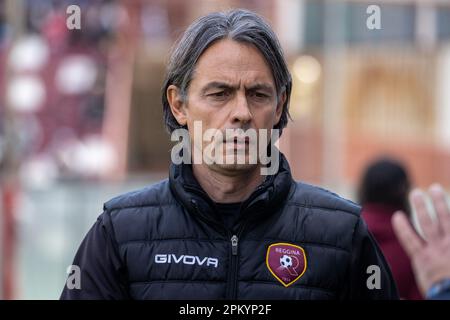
(222, 230)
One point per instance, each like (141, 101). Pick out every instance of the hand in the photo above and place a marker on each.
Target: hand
(430, 257)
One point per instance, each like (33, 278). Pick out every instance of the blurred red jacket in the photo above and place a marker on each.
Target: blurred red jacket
(378, 219)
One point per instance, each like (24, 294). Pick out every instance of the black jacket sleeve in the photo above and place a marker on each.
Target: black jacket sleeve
(370, 275)
(102, 273)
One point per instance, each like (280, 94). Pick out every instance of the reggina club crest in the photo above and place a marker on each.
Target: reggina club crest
(286, 262)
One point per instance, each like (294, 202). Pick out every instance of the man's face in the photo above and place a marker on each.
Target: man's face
(232, 88)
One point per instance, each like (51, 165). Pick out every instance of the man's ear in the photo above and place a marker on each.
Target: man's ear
(279, 109)
(177, 104)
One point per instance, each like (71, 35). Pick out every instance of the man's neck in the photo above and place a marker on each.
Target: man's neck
(224, 188)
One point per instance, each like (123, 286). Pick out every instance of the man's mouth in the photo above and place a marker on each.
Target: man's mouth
(237, 142)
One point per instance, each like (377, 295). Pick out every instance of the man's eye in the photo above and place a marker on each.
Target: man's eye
(219, 94)
(259, 95)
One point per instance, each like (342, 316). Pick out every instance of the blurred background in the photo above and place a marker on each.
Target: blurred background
(81, 117)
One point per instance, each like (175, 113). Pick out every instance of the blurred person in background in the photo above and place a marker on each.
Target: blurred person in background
(383, 190)
(430, 254)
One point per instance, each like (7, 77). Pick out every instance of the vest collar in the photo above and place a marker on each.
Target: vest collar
(266, 198)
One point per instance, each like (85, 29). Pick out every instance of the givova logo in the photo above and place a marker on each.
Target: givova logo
(186, 259)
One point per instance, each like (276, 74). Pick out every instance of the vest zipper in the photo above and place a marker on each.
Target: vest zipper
(234, 245)
(232, 283)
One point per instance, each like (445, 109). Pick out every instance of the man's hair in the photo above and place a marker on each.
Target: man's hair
(239, 25)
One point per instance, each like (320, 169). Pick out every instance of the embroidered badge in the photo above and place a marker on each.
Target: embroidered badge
(286, 262)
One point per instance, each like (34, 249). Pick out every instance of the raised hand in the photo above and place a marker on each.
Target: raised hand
(430, 256)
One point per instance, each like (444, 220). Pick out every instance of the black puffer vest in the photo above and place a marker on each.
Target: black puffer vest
(175, 246)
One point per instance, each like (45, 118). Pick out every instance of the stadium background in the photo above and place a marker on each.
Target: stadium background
(81, 118)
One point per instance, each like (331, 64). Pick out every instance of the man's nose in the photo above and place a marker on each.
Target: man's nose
(241, 111)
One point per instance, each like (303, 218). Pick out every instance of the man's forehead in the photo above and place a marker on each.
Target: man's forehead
(233, 78)
(232, 56)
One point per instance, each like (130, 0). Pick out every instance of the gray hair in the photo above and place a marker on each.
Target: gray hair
(239, 25)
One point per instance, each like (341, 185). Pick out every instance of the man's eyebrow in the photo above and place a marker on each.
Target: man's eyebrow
(217, 85)
(224, 85)
(261, 86)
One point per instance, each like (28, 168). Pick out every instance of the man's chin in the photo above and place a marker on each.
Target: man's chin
(232, 169)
